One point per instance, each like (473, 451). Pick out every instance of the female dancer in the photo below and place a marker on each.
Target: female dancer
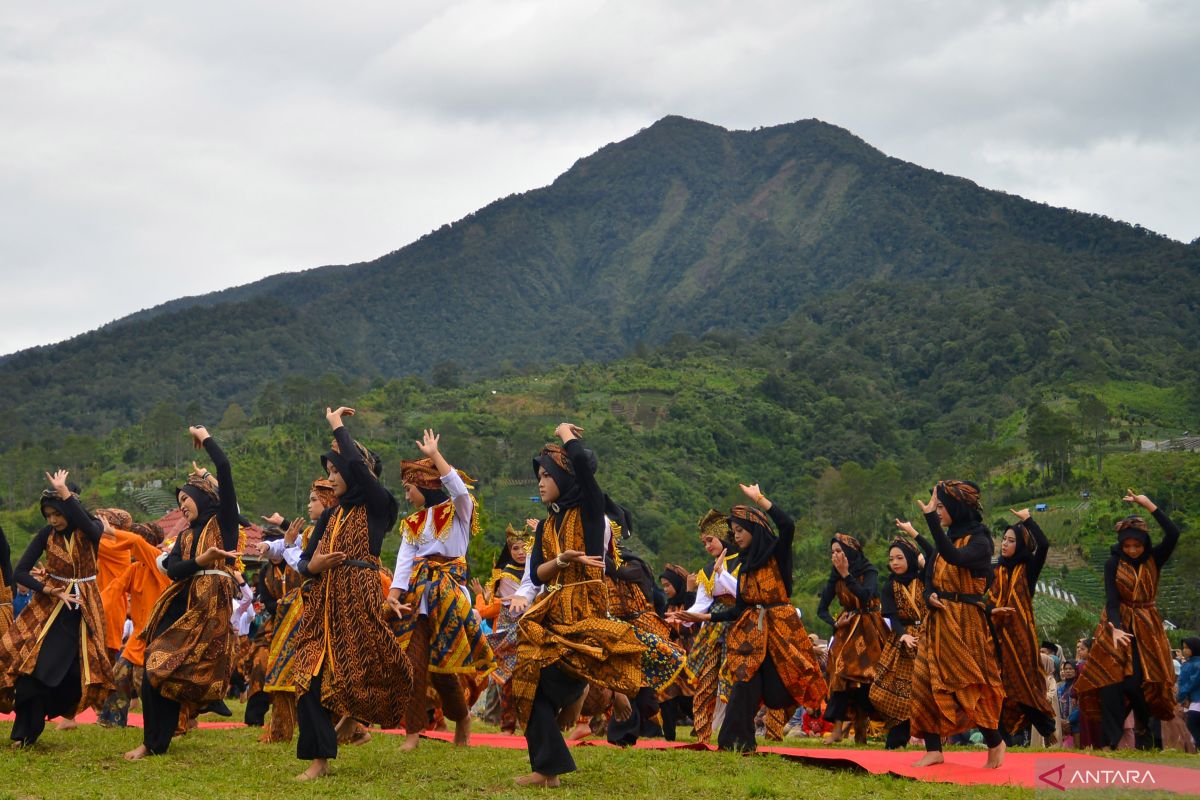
(1022, 555)
(53, 661)
(1129, 662)
(348, 662)
(190, 644)
(903, 604)
(566, 639)
(956, 679)
(859, 632)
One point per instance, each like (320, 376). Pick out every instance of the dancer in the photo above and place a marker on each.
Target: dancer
(716, 591)
(53, 662)
(903, 604)
(444, 637)
(768, 653)
(1129, 662)
(956, 679)
(1023, 553)
(566, 639)
(505, 602)
(348, 662)
(190, 644)
(859, 633)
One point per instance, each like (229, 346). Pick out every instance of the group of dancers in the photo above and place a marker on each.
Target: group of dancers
(571, 625)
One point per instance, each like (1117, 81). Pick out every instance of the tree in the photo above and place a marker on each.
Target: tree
(446, 375)
(1050, 435)
(1093, 420)
(234, 420)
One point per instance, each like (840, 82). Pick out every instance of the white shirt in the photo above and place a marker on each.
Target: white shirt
(278, 550)
(243, 610)
(454, 545)
(724, 584)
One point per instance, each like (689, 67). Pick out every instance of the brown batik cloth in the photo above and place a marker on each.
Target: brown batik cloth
(66, 558)
(569, 626)
(770, 625)
(891, 691)
(6, 606)
(1024, 683)
(956, 680)
(345, 635)
(1106, 665)
(190, 661)
(856, 648)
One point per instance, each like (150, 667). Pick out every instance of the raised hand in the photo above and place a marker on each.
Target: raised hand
(568, 431)
(293, 532)
(752, 492)
(478, 589)
(580, 557)
(256, 548)
(274, 519)
(334, 418)
(200, 435)
(1140, 499)
(907, 527)
(719, 565)
(532, 523)
(931, 505)
(1022, 515)
(841, 563)
(58, 482)
(428, 445)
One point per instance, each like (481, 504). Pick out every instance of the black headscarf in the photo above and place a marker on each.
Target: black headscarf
(432, 497)
(961, 500)
(1025, 550)
(911, 555)
(569, 493)
(1192, 643)
(1133, 527)
(762, 543)
(678, 583)
(855, 557)
(356, 492)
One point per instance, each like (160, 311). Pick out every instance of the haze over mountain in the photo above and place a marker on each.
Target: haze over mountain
(684, 228)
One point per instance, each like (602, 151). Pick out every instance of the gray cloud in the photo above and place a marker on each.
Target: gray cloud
(156, 152)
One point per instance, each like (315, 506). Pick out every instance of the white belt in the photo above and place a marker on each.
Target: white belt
(88, 579)
(213, 572)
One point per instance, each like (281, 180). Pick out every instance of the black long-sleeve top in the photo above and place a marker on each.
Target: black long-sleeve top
(77, 521)
(270, 602)
(378, 502)
(6, 569)
(866, 591)
(1161, 553)
(181, 565)
(591, 510)
(887, 596)
(1033, 567)
(783, 547)
(975, 555)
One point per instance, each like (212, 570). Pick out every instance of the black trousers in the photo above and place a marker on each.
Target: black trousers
(317, 737)
(764, 687)
(645, 705)
(898, 735)
(35, 702)
(1193, 724)
(842, 703)
(256, 709)
(160, 718)
(548, 753)
(673, 712)
(991, 737)
(1042, 722)
(1113, 713)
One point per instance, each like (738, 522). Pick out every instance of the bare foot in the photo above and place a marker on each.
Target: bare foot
(66, 724)
(137, 753)
(18, 744)
(995, 756)
(410, 742)
(319, 768)
(538, 779)
(581, 730)
(462, 732)
(930, 758)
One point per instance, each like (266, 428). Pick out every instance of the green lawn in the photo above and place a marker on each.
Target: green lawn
(87, 762)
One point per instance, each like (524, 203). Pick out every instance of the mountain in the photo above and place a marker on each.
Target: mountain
(684, 228)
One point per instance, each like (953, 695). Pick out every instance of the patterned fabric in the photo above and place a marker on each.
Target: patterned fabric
(771, 625)
(855, 650)
(569, 626)
(412, 527)
(191, 659)
(282, 652)
(774, 721)
(1106, 665)
(282, 726)
(663, 660)
(706, 668)
(344, 635)
(67, 558)
(1024, 683)
(457, 644)
(891, 691)
(504, 646)
(956, 680)
(6, 606)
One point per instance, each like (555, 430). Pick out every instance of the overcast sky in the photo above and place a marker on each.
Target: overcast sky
(155, 149)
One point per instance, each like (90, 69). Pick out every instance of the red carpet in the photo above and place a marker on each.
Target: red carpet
(1067, 768)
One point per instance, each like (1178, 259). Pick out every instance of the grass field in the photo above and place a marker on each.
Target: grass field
(87, 763)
